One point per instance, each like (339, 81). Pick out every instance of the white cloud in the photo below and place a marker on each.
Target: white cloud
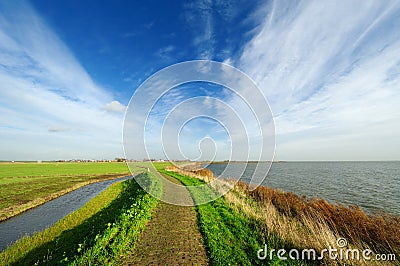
(115, 106)
(330, 71)
(192, 100)
(43, 90)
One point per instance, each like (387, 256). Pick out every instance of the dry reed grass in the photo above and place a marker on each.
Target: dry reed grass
(309, 223)
(380, 232)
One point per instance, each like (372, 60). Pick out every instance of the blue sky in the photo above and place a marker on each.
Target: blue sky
(329, 70)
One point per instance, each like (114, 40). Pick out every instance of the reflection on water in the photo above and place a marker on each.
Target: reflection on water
(374, 186)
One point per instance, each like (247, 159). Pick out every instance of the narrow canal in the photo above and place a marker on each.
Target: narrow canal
(46, 215)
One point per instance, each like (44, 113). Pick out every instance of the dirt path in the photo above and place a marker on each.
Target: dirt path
(172, 236)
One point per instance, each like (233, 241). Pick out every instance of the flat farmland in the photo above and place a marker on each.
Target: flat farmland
(13, 170)
(26, 185)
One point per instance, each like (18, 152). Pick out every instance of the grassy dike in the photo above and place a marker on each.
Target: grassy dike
(231, 237)
(285, 221)
(99, 233)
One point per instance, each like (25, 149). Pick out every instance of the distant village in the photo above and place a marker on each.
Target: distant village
(116, 160)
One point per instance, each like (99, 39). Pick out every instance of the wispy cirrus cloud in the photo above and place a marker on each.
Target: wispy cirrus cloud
(166, 52)
(45, 90)
(331, 73)
(199, 16)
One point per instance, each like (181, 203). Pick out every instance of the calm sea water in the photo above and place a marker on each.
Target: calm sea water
(374, 186)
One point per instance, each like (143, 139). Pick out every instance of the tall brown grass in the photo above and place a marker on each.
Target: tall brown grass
(380, 232)
(310, 223)
(204, 174)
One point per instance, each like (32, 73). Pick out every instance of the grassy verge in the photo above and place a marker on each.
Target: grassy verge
(231, 237)
(288, 222)
(27, 185)
(118, 240)
(98, 233)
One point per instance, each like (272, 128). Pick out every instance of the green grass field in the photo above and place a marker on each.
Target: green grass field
(26, 185)
(99, 233)
(13, 170)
